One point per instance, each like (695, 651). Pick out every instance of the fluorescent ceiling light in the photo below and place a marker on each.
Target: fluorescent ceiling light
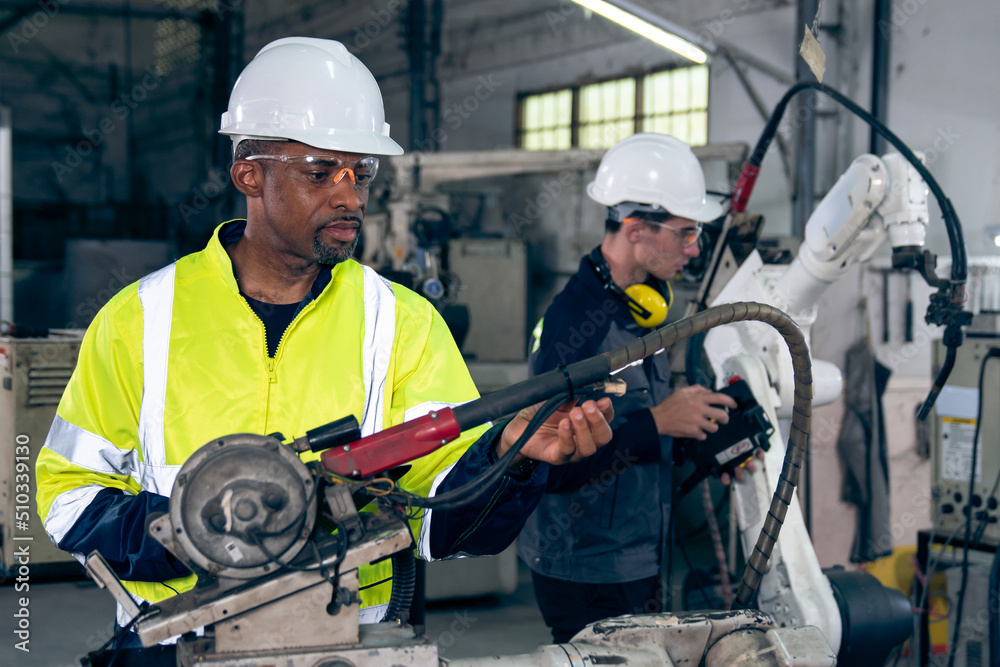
(646, 29)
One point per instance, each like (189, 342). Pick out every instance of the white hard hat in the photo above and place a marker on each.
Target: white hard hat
(312, 91)
(656, 170)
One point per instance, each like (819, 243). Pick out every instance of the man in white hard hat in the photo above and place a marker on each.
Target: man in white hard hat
(274, 328)
(594, 542)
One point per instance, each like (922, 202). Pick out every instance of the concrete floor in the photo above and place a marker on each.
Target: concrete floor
(70, 618)
(67, 620)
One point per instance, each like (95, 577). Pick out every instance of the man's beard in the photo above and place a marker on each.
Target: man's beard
(333, 255)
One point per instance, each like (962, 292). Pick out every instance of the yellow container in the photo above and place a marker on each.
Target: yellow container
(897, 570)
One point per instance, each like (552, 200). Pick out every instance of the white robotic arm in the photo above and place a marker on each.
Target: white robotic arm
(875, 199)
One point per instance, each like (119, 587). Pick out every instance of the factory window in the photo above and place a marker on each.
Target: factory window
(546, 121)
(177, 42)
(601, 114)
(676, 102)
(607, 113)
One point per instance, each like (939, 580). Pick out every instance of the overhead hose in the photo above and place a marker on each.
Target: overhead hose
(404, 578)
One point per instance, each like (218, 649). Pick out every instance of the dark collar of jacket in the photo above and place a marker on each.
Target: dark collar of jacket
(592, 282)
(232, 231)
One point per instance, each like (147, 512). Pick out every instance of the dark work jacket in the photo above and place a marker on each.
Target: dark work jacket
(602, 520)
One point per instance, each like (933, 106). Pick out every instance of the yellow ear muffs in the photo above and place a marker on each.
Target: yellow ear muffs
(649, 308)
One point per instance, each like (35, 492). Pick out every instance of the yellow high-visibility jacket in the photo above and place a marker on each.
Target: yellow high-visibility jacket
(179, 359)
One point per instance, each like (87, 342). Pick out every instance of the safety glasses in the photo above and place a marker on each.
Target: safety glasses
(688, 236)
(325, 171)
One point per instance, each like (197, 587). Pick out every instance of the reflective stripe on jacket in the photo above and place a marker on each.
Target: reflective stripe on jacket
(179, 359)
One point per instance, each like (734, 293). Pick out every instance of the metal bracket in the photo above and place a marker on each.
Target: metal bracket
(105, 578)
(344, 513)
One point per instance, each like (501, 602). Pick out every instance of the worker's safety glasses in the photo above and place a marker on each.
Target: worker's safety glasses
(687, 235)
(325, 171)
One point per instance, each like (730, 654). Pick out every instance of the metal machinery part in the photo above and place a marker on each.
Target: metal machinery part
(875, 619)
(240, 505)
(952, 427)
(311, 611)
(496, 332)
(242, 508)
(308, 616)
(713, 639)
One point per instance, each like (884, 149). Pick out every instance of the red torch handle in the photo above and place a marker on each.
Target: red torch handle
(744, 186)
(394, 446)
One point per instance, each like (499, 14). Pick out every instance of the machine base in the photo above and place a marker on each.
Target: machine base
(381, 644)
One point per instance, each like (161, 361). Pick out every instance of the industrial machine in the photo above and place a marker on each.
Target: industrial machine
(522, 209)
(34, 373)
(965, 480)
(953, 426)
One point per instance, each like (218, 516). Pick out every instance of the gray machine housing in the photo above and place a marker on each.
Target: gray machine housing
(952, 431)
(33, 372)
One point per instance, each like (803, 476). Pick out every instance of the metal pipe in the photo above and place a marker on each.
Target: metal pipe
(418, 76)
(6, 217)
(804, 197)
(22, 9)
(880, 73)
(131, 150)
(804, 118)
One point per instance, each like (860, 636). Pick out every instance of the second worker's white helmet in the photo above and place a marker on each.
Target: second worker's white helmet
(658, 171)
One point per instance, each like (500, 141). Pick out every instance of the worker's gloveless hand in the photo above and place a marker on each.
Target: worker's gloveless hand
(572, 433)
(748, 468)
(692, 412)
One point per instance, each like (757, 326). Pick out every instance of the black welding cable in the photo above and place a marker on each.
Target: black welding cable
(404, 578)
(945, 307)
(959, 264)
(480, 484)
(970, 509)
(992, 601)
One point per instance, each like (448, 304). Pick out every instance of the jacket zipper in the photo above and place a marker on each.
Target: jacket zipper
(268, 363)
(271, 363)
(284, 335)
